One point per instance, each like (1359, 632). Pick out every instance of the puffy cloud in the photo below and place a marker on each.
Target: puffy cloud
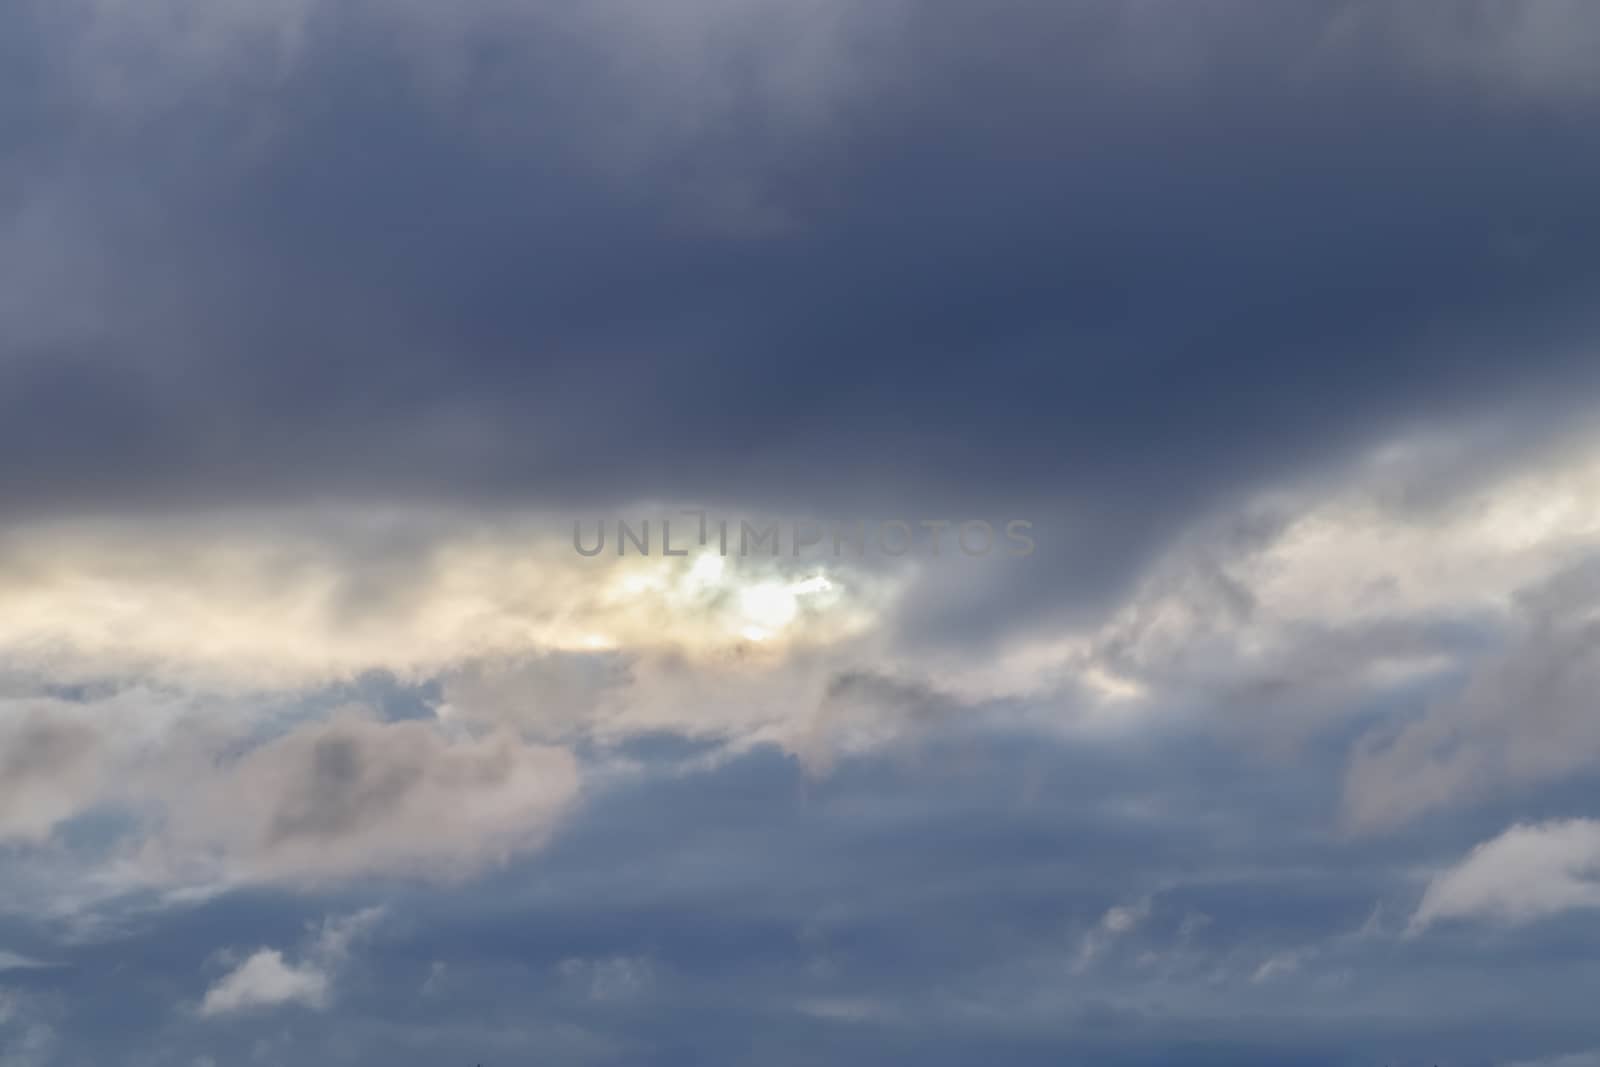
(355, 796)
(1529, 872)
(264, 981)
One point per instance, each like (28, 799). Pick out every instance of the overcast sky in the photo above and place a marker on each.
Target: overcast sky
(1255, 342)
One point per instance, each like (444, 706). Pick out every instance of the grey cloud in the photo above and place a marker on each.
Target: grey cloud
(49, 770)
(354, 796)
(1524, 715)
(863, 709)
(617, 978)
(11, 961)
(201, 797)
(1108, 259)
(1108, 266)
(28, 1028)
(1509, 48)
(553, 695)
(930, 911)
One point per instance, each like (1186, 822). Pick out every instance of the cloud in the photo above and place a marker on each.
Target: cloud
(338, 933)
(1115, 924)
(800, 180)
(320, 320)
(1524, 714)
(204, 794)
(49, 770)
(1281, 965)
(864, 709)
(1510, 48)
(1531, 871)
(11, 961)
(845, 1010)
(1270, 624)
(294, 598)
(266, 980)
(615, 979)
(66, 749)
(29, 1029)
(355, 796)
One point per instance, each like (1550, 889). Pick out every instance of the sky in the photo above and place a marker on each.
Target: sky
(740, 533)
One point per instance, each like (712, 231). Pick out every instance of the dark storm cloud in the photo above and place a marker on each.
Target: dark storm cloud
(1108, 258)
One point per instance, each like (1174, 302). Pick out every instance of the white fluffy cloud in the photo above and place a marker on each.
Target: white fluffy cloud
(1530, 872)
(265, 979)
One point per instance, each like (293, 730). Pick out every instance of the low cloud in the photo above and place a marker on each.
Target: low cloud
(11, 961)
(211, 794)
(1530, 872)
(356, 796)
(263, 981)
(618, 978)
(49, 770)
(1115, 924)
(267, 980)
(1524, 716)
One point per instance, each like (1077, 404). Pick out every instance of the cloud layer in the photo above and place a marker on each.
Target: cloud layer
(322, 322)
